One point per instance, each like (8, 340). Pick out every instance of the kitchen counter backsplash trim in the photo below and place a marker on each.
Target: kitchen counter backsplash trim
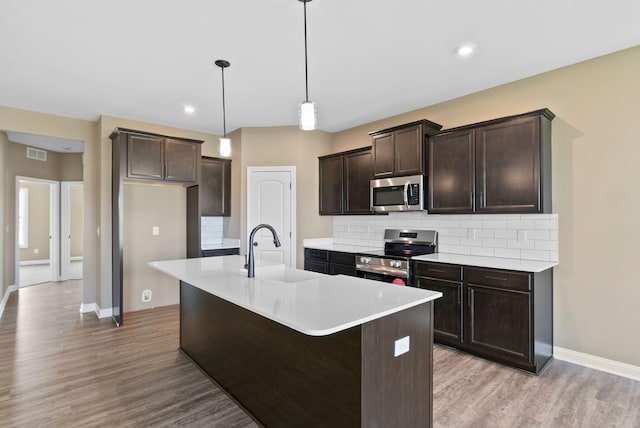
(508, 236)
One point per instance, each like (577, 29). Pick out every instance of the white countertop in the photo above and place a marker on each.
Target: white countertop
(327, 244)
(225, 244)
(311, 303)
(489, 262)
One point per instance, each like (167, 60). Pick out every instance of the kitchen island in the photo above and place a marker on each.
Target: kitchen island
(297, 348)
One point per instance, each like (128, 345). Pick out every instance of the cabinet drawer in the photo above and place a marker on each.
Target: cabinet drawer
(439, 271)
(220, 252)
(338, 269)
(498, 278)
(315, 254)
(316, 266)
(342, 258)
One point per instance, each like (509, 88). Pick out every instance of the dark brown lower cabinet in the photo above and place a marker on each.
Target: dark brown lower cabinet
(330, 262)
(506, 316)
(316, 260)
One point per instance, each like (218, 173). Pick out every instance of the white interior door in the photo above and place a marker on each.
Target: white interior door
(271, 200)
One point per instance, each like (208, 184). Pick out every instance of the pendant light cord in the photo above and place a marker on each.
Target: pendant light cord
(306, 68)
(224, 113)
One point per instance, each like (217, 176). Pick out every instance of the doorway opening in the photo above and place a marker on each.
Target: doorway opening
(36, 230)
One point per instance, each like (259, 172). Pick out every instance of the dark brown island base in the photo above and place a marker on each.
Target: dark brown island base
(370, 368)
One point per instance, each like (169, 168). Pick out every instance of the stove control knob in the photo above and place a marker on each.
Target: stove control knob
(365, 260)
(395, 264)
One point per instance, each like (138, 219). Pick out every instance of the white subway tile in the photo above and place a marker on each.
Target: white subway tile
(520, 224)
(526, 245)
(506, 234)
(553, 235)
(553, 256)
(494, 224)
(546, 245)
(546, 224)
(449, 240)
(459, 231)
(508, 216)
(495, 243)
(509, 253)
(471, 242)
(535, 255)
(482, 251)
(535, 235)
(455, 249)
(484, 233)
(476, 224)
(534, 216)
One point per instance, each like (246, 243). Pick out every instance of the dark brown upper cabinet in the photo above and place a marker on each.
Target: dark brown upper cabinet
(155, 157)
(344, 182)
(498, 166)
(215, 187)
(399, 151)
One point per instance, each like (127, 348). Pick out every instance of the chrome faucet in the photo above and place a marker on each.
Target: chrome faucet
(251, 263)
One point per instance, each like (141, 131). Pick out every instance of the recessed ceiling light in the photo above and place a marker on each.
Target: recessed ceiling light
(464, 50)
(189, 109)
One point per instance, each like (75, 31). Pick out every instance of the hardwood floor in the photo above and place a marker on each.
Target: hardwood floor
(60, 368)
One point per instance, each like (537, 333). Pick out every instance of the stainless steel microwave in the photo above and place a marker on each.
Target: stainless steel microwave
(398, 194)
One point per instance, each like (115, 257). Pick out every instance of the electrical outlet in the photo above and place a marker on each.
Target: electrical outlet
(146, 296)
(156, 231)
(522, 235)
(401, 346)
(471, 234)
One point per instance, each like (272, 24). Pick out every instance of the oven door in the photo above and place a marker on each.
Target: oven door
(399, 280)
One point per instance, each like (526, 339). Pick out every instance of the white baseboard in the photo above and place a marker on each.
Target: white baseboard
(93, 307)
(5, 298)
(598, 363)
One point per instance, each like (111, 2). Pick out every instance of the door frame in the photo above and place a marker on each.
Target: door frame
(54, 226)
(250, 206)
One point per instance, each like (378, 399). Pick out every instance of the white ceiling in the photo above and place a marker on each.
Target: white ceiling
(54, 144)
(147, 59)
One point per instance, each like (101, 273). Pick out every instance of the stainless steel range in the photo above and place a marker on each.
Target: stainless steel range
(392, 263)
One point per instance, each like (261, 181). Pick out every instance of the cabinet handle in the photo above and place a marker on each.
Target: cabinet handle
(496, 278)
(459, 297)
(435, 270)
(469, 297)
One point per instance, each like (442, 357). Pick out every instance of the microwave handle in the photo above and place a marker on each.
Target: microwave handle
(405, 194)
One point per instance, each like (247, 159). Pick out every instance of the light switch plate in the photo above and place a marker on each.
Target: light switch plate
(156, 231)
(401, 346)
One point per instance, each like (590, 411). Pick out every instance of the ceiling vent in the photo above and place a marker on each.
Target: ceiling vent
(36, 154)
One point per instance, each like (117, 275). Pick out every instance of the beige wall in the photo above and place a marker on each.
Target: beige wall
(596, 188)
(147, 206)
(70, 167)
(288, 146)
(38, 230)
(76, 201)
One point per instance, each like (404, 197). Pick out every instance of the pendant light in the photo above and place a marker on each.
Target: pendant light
(307, 111)
(225, 143)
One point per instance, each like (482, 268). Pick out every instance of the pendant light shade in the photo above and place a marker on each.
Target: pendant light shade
(307, 111)
(225, 143)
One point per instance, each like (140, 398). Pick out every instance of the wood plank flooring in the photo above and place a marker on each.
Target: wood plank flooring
(60, 368)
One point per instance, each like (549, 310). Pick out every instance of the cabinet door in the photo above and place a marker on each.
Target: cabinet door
(451, 172)
(408, 151)
(215, 187)
(357, 181)
(145, 157)
(331, 185)
(498, 322)
(508, 167)
(181, 160)
(447, 310)
(383, 155)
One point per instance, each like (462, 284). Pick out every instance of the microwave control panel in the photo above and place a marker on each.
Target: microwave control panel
(413, 194)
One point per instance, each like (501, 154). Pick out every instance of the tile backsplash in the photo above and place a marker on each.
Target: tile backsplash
(514, 236)
(211, 231)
